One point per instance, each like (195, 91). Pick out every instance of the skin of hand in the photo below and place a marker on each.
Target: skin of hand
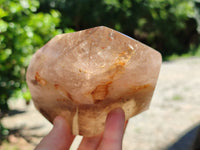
(61, 138)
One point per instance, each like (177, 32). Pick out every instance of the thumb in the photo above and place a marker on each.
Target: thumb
(59, 138)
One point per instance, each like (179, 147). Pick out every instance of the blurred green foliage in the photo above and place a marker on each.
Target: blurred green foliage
(3, 133)
(22, 31)
(170, 26)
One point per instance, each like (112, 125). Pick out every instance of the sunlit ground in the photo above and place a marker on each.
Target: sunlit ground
(171, 123)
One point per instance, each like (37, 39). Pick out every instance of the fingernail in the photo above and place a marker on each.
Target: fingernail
(57, 120)
(60, 122)
(117, 111)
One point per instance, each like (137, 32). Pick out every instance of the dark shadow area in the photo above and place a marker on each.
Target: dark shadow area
(11, 112)
(189, 141)
(19, 132)
(196, 145)
(15, 112)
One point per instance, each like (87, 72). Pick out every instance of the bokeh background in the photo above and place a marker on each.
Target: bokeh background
(170, 26)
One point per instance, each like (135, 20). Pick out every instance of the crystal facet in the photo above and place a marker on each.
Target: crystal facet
(82, 76)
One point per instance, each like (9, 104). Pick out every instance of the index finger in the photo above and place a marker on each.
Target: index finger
(60, 137)
(114, 130)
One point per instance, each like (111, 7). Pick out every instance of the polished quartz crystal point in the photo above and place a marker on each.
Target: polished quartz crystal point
(82, 76)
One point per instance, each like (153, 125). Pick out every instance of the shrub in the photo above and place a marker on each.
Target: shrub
(169, 26)
(23, 30)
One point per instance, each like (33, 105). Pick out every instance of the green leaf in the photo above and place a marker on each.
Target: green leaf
(4, 54)
(68, 30)
(3, 26)
(3, 13)
(27, 95)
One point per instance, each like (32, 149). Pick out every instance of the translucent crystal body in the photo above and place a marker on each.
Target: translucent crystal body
(83, 75)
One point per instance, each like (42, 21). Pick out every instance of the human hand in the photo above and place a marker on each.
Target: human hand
(61, 138)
